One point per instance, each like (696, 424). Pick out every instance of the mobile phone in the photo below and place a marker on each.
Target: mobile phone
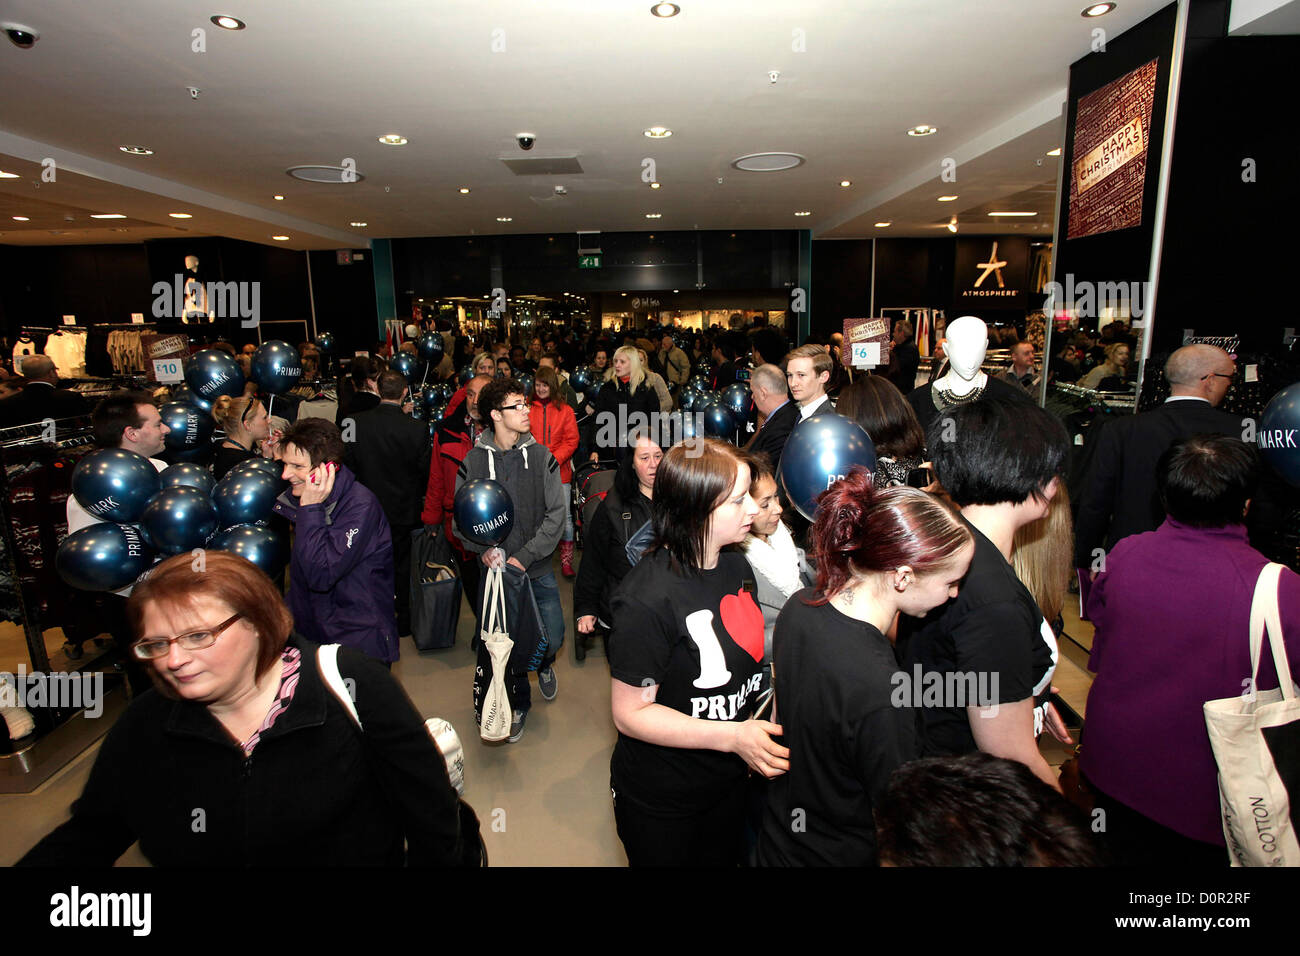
(920, 477)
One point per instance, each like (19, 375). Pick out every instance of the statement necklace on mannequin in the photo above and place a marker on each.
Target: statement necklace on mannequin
(948, 400)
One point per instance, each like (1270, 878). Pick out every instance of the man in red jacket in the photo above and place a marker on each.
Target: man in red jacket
(454, 438)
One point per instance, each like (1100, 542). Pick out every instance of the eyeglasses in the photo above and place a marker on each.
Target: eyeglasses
(518, 407)
(1219, 375)
(156, 647)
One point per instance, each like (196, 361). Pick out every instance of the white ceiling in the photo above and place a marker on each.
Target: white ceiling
(319, 82)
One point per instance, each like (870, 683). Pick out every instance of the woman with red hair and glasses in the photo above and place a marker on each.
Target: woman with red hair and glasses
(244, 756)
(847, 717)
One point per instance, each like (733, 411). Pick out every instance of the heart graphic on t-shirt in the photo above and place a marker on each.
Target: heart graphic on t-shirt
(744, 622)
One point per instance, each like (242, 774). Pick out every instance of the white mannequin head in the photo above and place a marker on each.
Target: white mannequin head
(192, 263)
(968, 341)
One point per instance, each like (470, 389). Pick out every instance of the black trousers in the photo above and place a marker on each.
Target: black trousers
(713, 837)
(1134, 840)
(402, 574)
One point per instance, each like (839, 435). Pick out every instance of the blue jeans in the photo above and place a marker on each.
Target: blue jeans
(567, 533)
(547, 595)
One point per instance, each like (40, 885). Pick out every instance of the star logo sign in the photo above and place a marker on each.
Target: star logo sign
(992, 266)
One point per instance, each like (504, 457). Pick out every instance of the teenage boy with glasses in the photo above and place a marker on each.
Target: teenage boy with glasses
(507, 453)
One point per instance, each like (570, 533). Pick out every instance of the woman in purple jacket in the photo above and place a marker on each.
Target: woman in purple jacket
(341, 570)
(1172, 612)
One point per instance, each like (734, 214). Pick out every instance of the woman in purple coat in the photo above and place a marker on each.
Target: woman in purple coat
(1172, 612)
(341, 570)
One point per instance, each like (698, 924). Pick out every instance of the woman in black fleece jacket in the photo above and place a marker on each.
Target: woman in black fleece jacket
(243, 756)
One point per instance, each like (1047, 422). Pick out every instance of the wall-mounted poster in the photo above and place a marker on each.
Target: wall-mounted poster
(1112, 129)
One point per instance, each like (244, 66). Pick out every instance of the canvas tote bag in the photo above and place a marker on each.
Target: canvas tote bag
(495, 713)
(1247, 735)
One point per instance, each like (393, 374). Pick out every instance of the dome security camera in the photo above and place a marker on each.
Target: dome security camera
(526, 140)
(20, 36)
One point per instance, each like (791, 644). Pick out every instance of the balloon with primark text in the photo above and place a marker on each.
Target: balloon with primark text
(483, 511)
(103, 557)
(276, 367)
(820, 450)
(114, 484)
(1278, 435)
(402, 362)
(212, 373)
(188, 426)
(246, 496)
(430, 347)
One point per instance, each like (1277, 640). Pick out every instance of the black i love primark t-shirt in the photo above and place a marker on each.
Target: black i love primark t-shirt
(700, 638)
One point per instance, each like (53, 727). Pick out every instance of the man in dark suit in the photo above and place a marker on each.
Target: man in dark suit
(904, 358)
(388, 451)
(40, 398)
(1119, 496)
(767, 385)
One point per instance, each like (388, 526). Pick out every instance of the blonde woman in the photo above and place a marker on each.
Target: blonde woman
(625, 404)
(246, 424)
(484, 364)
(1115, 366)
(1043, 556)
(656, 381)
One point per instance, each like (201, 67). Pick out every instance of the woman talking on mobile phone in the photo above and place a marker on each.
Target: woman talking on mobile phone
(686, 656)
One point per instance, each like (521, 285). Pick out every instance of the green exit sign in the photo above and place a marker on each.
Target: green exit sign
(589, 262)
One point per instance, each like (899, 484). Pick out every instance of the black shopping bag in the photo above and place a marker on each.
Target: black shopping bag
(435, 590)
(523, 620)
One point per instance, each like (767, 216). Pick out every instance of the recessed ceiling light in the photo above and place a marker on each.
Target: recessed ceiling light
(623, 293)
(280, 238)
(923, 130)
(361, 225)
(107, 215)
(952, 224)
(227, 23)
(505, 219)
(1098, 10)
(1009, 214)
(654, 185)
(326, 174)
(393, 139)
(180, 215)
(1054, 152)
(464, 190)
(279, 197)
(883, 225)
(805, 212)
(4, 175)
(947, 198)
(845, 183)
(654, 215)
(137, 150)
(658, 132)
(22, 219)
(768, 162)
(665, 10)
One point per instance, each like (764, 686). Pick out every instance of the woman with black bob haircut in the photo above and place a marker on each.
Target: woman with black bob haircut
(685, 654)
(1000, 461)
(849, 722)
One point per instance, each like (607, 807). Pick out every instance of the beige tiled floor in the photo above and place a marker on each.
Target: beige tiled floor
(542, 801)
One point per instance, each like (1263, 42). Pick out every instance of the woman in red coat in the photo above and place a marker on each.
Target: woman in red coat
(556, 427)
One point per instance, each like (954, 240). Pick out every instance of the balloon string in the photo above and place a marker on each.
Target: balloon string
(425, 377)
(269, 402)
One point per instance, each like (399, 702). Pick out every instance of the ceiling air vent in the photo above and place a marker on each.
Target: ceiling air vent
(542, 166)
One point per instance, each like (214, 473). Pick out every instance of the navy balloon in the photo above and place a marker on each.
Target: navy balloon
(212, 373)
(465, 374)
(263, 546)
(582, 378)
(437, 413)
(188, 475)
(276, 367)
(736, 397)
(178, 519)
(690, 397)
(114, 484)
(430, 346)
(820, 450)
(245, 496)
(267, 466)
(189, 426)
(1279, 434)
(402, 362)
(700, 383)
(103, 557)
(445, 390)
(525, 380)
(483, 511)
(719, 421)
(180, 392)
(325, 341)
